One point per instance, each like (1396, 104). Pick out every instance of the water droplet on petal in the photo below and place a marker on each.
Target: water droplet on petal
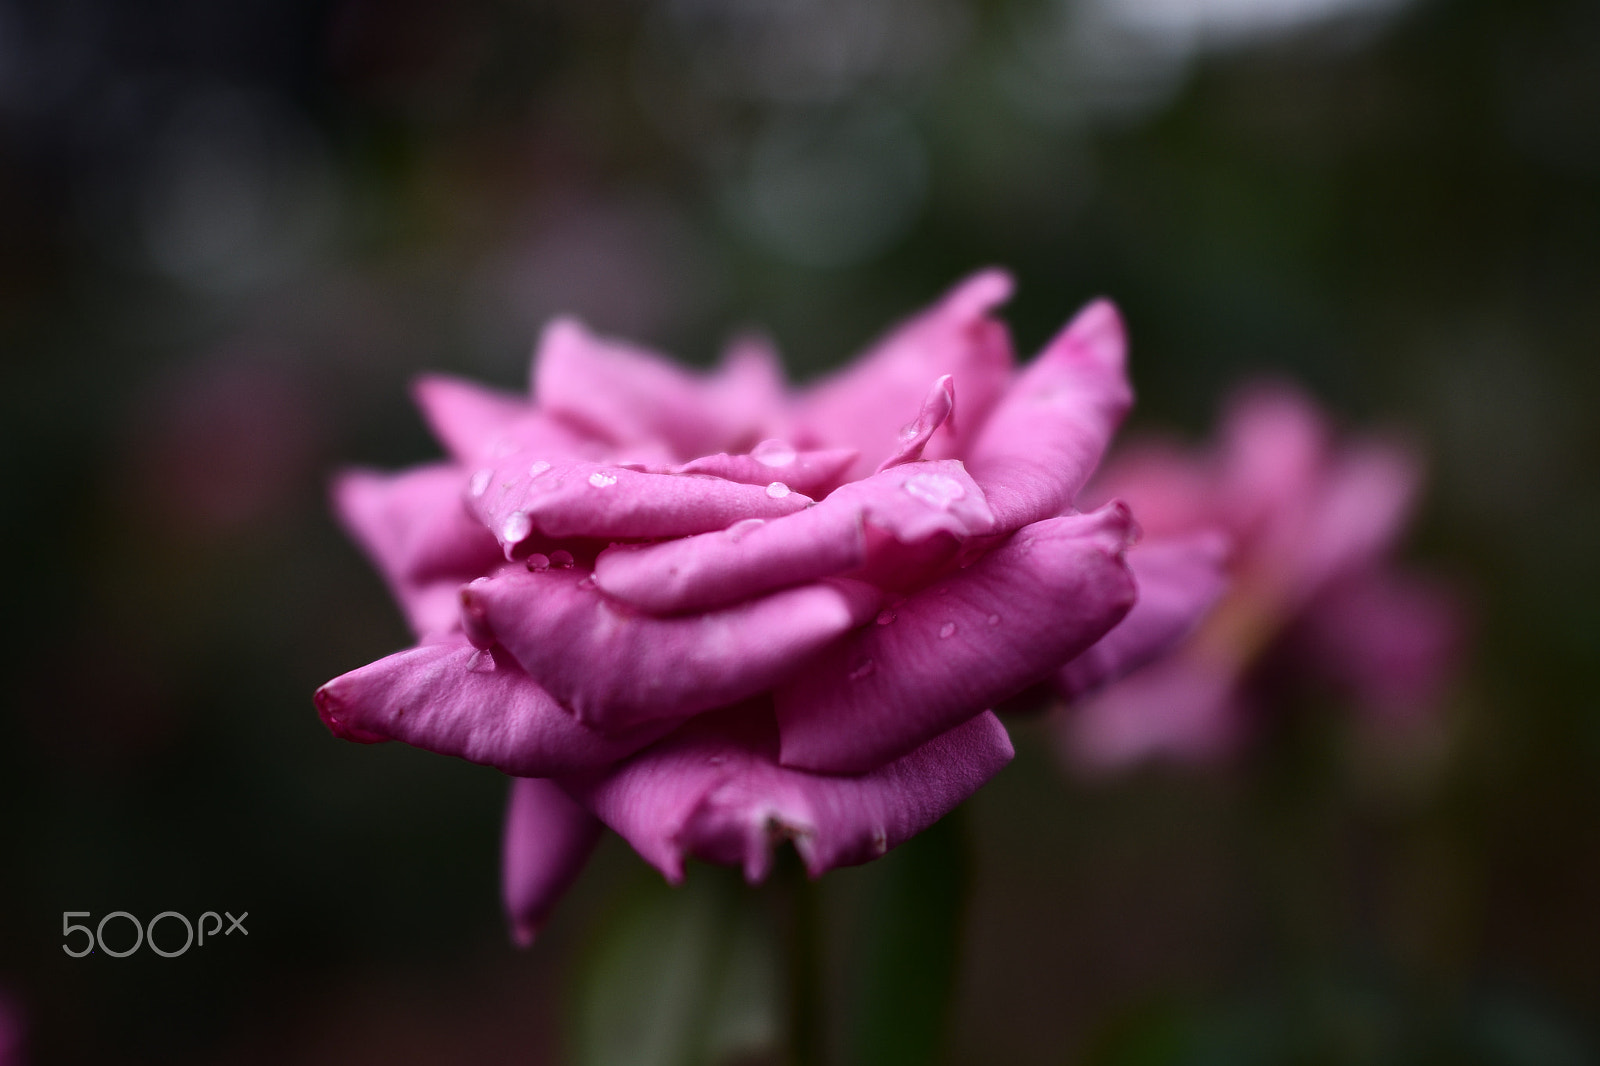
(588, 582)
(517, 527)
(538, 562)
(994, 619)
(773, 453)
(480, 482)
(740, 529)
(886, 617)
(947, 631)
(880, 841)
(936, 490)
(863, 671)
(539, 466)
(600, 479)
(777, 490)
(561, 559)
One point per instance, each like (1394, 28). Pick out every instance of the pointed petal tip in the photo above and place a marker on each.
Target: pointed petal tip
(980, 293)
(1099, 331)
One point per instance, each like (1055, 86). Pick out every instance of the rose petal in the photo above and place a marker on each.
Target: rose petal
(861, 405)
(415, 530)
(1393, 639)
(1185, 707)
(714, 790)
(616, 668)
(451, 698)
(465, 417)
(750, 387)
(1178, 580)
(1049, 431)
(628, 395)
(548, 838)
(813, 473)
(911, 503)
(937, 408)
(515, 497)
(975, 638)
(1363, 507)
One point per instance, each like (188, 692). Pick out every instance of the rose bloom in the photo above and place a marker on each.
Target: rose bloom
(1307, 525)
(715, 615)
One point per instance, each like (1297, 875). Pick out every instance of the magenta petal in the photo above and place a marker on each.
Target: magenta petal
(1394, 639)
(975, 638)
(1363, 506)
(862, 405)
(548, 838)
(1185, 708)
(451, 698)
(628, 395)
(616, 668)
(814, 473)
(716, 791)
(1048, 433)
(465, 417)
(749, 388)
(911, 503)
(1179, 579)
(420, 537)
(515, 497)
(937, 408)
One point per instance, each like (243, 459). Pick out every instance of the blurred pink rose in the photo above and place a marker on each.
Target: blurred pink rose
(1308, 528)
(714, 615)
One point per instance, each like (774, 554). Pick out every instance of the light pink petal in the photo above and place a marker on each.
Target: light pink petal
(1047, 434)
(715, 790)
(548, 838)
(465, 417)
(453, 699)
(937, 408)
(1179, 580)
(750, 389)
(523, 494)
(910, 503)
(628, 395)
(1394, 639)
(813, 473)
(971, 640)
(416, 531)
(862, 406)
(1184, 708)
(1172, 490)
(1273, 453)
(617, 668)
(1359, 514)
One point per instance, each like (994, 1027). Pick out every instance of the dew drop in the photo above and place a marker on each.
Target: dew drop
(936, 490)
(880, 841)
(742, 528)
(863, 671)
(886, 617)
(994, 619)
(539, 466)
(773, 453)
(538, 562)
(517, 527)
(480, 482)
(588, 582)
(947, 631)
(600, 479)
(561, 559)
(777, 490)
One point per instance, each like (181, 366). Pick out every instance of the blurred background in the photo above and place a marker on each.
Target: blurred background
(231, 233)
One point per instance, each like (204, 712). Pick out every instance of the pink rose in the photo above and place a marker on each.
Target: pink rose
(714, 615)
(1311, 588)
